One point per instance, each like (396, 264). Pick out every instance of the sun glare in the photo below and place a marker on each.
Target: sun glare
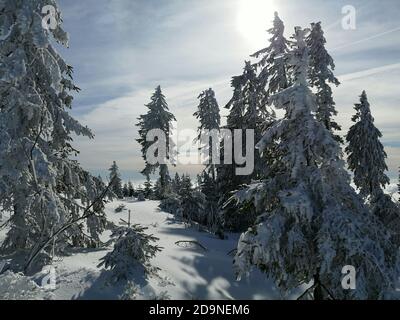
(253, 18)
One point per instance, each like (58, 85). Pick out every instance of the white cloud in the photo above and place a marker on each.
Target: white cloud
(129, 48)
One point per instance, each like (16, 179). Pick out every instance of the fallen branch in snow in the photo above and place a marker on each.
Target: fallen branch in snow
(191, 242)
(86, 214)
(120, 208)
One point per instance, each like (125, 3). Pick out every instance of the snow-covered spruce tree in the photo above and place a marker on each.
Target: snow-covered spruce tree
(313, 222)
(148, 188)
(367, 160)
(193, 204)
(125, 190)
(172, 201)
(246, 112)
(131, 190)
(320, 76)
(186, 185)
(248, 100)
(194, 208)
(273, 74)
(171, 204)
(162, 187)
(184, 192)
(209, 117)
(211, 217)
(366, 155)
(115, 177)
(157, 117)
(39, 183)
(208, 114)
(189, 204)
(176, 183)
(140, 193)
(180, 187)
(132, 252)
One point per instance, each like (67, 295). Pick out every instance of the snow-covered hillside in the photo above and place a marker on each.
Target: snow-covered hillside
(187, 272)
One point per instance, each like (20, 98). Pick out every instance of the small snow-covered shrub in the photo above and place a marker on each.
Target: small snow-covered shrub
(191, 207)
(194, 208)
(171, 204)
(132, 252)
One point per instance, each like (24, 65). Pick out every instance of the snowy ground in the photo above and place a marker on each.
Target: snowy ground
(186, 272)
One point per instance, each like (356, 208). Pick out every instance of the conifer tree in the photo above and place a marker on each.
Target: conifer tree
(158, 117)
(140, 193)
(210, 119)
(367, 160)
(40, 184)
(212, 218)
(176, 183)
(366, 155)
(133, 250)
(148, 188)
(273, 73)
(115, 177)
(312, 223)
(320, 76)
(125, 190)
(186, 185)
(246, 112)
(193, 207)
(131, 190)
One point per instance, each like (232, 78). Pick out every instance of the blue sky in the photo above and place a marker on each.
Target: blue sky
(122, 49)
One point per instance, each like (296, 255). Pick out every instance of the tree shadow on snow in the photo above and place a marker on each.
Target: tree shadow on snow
(101, 287)
(212, 277)
(210, 273)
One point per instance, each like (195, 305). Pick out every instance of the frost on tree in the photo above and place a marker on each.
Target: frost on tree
(367, 160)
(131, 189)
(194, 209)
(125, 190)
(366, 155)
(209, 216)
(208, 114)
(272, 63)
(40, 184)
(148, 189)
(312, 223)
(185, 202)
(210, 120)
(133, 251)
(247, 111)
(320, 76)
(115, 180)
(158, 117)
